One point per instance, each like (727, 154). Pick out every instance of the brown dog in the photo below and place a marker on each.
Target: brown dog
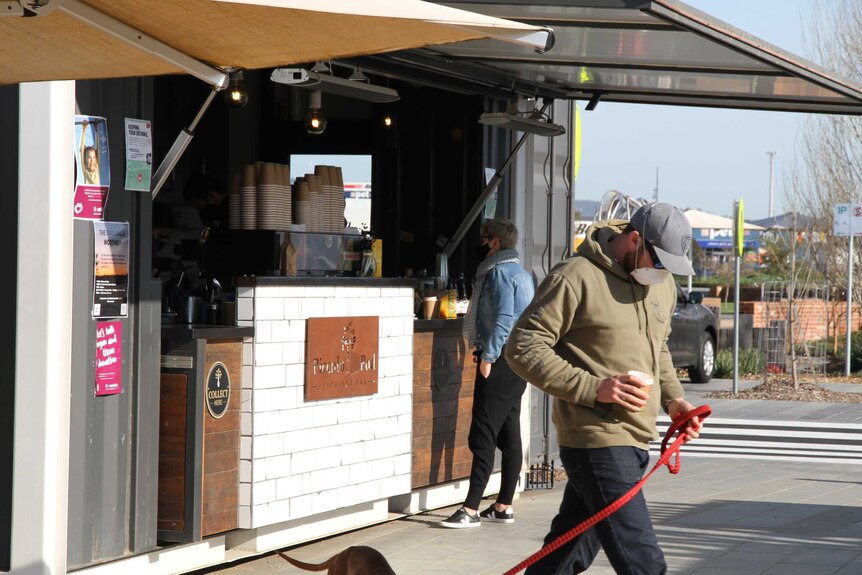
(356, 560)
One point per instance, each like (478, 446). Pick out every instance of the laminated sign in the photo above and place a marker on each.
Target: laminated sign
(111, 269)
(92, 168)
(847, 220)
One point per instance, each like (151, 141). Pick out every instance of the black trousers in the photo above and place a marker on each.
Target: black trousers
(496, 424)
(597, 478)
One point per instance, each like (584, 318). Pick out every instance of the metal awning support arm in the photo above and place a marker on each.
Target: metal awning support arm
(569, 178)
(179, 146)
(216, 78)
(479, 204)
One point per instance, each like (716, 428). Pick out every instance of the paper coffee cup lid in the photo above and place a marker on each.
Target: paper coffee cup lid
(644, 377)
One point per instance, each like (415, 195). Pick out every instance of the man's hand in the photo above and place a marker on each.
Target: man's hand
(620, 389)
(485, 368)
(679, 406)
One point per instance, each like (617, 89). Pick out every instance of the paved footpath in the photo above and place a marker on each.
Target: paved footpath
(719, 516)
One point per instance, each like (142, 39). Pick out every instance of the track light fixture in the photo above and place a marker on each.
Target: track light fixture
(236, 94)
(315, 120)
(532, 123)
(335, 85)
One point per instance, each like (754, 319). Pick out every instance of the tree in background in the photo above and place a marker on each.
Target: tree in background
(829, 170)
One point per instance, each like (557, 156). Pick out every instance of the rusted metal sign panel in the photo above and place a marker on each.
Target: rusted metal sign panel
(341, 357)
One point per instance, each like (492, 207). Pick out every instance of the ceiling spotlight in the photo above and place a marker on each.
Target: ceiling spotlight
(314, 121)
(320, 68)
(357, 76)
(236, 94)
(532, 124)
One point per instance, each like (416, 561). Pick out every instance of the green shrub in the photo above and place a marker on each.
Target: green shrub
(750, 362)
(855, 352)
(724, 364)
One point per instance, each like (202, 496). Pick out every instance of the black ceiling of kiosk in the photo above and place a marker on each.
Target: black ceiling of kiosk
(639, 51)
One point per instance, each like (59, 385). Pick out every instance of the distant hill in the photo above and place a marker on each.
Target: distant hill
(782, 221)
(586, 208)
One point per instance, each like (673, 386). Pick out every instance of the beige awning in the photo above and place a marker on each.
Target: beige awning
(705, 220)
(151, 37)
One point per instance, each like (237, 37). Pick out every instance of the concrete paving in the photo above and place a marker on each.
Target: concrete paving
(719, 516)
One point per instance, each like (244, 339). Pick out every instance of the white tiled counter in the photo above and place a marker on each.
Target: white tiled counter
(311, 468)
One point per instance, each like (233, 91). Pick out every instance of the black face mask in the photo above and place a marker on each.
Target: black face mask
(482, 251)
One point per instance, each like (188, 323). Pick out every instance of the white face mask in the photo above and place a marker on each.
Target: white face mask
(649, 276)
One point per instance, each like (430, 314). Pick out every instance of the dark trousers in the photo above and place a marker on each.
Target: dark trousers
(496, 424)
(597, 478)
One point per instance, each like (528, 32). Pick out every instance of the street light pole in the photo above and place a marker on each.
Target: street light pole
(771, 162)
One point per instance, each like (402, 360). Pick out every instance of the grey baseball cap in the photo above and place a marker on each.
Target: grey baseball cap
(667, 230)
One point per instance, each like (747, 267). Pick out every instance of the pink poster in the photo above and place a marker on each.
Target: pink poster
(109, 357)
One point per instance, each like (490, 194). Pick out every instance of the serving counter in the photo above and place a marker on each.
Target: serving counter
(199, 438)
(351, 408)
(311, 466)
(443, 376)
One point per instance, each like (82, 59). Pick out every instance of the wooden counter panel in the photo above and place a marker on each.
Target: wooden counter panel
(426, 427)
(430, 443)
(443, 376)
(170, 514)
(220, 491)
(172, 450)
(442, 410)
(216, 462)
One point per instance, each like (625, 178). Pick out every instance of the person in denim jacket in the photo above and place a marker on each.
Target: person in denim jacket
(501, 291)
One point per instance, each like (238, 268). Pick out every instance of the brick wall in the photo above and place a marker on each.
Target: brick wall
(814, 315)
(303, 458)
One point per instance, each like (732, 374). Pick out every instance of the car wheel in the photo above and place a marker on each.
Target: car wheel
(702, 372)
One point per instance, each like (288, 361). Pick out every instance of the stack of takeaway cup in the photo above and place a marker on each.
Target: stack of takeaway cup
(301, 202)
(269, 200)
(340, 204)
(248, 197)
(234, 202)
(322, 172)
(286, 204)
(334, 191)
(315, 188)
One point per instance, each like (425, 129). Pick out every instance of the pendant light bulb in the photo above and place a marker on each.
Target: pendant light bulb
(314, 120)
(236, 94)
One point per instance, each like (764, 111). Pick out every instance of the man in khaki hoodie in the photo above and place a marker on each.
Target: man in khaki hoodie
(593, 319)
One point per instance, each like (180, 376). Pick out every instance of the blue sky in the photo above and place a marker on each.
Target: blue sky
(707, 158)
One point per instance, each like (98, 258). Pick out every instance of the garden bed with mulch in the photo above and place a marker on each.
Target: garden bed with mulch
(781, 388)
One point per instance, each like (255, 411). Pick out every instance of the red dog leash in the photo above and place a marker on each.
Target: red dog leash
(678, 424)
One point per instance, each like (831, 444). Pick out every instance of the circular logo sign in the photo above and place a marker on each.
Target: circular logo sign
(218, 389)
(440, 369)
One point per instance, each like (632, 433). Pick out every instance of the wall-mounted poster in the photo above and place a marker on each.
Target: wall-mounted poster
(93, 167)
(111, 269)
(139, 155)
(109, 357)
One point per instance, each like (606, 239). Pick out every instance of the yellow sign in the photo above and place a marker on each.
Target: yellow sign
(740, 224)
(577, 140)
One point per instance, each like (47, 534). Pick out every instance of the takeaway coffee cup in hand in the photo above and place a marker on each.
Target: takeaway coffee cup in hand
(642, 380)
